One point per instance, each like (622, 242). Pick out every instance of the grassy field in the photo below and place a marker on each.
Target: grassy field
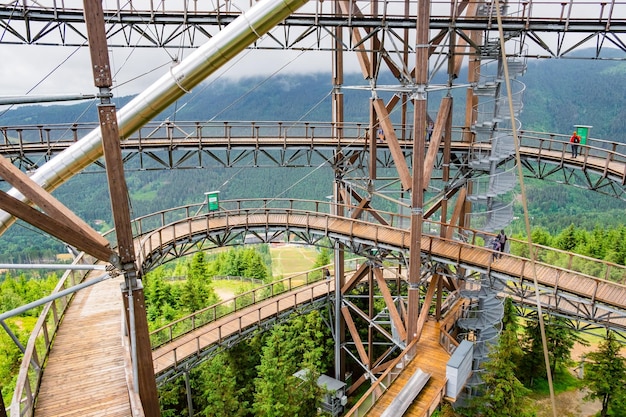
(291, 259)
(286, 260)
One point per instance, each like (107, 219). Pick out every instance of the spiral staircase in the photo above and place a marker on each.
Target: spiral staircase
(491, 189)
(493, 168)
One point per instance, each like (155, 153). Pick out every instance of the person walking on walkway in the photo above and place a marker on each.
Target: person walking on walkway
(495, 245)
(574, 140)
(502, 239)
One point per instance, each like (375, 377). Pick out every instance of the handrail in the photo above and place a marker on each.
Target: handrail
(40, 342)
(176, 133)
(585, 265)
(367, 400)
(261, 314)
(202, 317)
(225, 134)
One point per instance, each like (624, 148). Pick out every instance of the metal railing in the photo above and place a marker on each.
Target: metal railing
(21, 140)
(40, 342)
(202, 317)
(263, 311)
(566, 12)
(243, 209)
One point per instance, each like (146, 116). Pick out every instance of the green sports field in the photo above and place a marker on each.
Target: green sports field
(291, 259)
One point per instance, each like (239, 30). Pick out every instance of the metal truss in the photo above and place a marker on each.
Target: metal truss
(574, 176)
(549, 29)
(248, 333)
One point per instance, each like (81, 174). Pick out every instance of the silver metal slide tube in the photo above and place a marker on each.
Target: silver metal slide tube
(180, 79)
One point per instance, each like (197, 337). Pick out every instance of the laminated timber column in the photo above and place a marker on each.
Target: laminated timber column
(338, 253)
(420, 106)
(136, 319)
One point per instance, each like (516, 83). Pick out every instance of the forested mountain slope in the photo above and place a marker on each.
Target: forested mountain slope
(560, 93)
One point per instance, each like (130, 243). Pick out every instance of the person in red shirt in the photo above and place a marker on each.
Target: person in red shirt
(574, 140)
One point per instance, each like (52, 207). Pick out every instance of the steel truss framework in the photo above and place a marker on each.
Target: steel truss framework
(584, 314)
(554, 30)
(405, 43)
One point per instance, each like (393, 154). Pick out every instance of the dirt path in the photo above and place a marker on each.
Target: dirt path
(568, 404)
(571, 403)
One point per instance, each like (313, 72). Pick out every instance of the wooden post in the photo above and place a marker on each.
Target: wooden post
(417, 189)
(137, 321)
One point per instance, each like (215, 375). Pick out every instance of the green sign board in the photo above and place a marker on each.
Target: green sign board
(583, 132)
(213, 200)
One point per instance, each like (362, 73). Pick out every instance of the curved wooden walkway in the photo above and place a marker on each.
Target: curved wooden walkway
(237, 323)
(604, 158)
(93, 321)
(519, 270)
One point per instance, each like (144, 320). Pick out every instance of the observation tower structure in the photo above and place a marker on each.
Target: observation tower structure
(434, 73)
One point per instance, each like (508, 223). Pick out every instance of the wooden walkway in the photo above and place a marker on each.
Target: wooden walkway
(195, 342)
(432, 359)
(85, 374)
(560, 281)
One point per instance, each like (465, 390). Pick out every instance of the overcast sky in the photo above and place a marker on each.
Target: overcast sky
(44, 70)
(47, 70)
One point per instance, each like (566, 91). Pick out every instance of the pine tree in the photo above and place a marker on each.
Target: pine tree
(567, 239)
(560, 339)
(220, 390)
(197, 292)
(504, 395)
(290, 348)
(605, 376)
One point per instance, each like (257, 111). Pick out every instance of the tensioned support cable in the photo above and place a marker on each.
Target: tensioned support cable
(525, 206)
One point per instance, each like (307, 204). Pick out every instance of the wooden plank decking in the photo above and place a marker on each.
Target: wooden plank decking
(430, 358)
(85, 373)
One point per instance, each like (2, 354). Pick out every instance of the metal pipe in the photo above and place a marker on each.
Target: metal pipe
(44, 99)
(19, 345)
(64, 267)
(180, 79)
(52, 297)
(133, 338)
(17, 342)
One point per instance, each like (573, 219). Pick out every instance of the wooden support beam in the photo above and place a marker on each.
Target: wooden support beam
(48, 204)
(117, 182)
(356, 384)
(355, 336)
(55, 228)
(458, 212)
(136, 316)
(438, 204)
(356, 278)
(420, 120)
(442, 116)
(364, 204)
(391, 306)
(362, 57)
(428, 298)
(392, 142)
(359, 209)
(379, 369)
(460, 42)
